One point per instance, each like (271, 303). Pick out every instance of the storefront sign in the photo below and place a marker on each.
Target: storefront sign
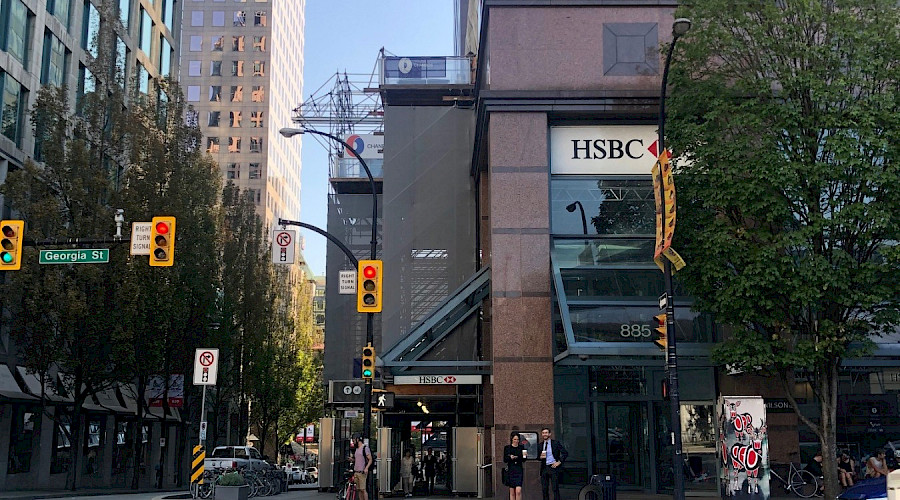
(778, 405)
(607, 149)
(365, 145)
(437, 380)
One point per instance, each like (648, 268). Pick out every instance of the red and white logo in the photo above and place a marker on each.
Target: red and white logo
(449, 379)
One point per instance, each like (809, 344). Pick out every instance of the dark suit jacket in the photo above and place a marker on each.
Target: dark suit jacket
(559, 453)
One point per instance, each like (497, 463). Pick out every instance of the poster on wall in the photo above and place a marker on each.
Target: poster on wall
(743, 448)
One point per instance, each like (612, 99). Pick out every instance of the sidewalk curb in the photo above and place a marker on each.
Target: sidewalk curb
(39, 495)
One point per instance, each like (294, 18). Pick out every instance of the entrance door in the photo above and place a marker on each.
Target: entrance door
(623, 441)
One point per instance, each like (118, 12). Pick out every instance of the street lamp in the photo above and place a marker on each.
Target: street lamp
(679, 28)
(571, 208)
(370, 338)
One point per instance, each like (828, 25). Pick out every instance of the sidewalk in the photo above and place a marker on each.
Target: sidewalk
(36, 494)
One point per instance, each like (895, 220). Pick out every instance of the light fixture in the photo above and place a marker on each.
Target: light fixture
(571, 207)
(681, 26)
(291, 132)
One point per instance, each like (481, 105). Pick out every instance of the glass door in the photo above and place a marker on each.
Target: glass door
(621, 431)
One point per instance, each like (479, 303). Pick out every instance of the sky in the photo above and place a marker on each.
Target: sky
(346, 35)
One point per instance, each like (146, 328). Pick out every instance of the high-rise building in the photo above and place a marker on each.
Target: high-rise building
(242, 71)
(50, 42)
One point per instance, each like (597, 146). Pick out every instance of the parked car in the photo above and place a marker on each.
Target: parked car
(296, 475)
(312, 474)
(867, 489)
(235, 457)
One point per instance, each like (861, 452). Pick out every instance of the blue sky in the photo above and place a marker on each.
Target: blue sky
(346, 35)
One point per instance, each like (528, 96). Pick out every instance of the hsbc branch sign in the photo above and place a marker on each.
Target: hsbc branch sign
(603, 149)
(437, 379)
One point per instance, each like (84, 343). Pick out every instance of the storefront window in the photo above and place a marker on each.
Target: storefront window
(634, 323)
(610, 205)
(62, 446)
(21, 438)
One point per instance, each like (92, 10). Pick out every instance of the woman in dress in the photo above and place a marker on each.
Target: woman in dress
(512, 455)
(406, 472)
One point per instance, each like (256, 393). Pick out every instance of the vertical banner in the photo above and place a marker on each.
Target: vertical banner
(664, 193)
(743, 448)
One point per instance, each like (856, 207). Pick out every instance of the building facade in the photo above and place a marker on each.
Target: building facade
(242, 71)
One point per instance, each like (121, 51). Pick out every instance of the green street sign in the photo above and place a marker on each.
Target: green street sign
(81, 256)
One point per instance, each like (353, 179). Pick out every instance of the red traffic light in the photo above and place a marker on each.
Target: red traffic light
(369, 272)
(162, 228)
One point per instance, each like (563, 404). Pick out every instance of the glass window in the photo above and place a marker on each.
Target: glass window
(194, 68)
(13, 108)
(255, 171)
(234, 144)
(168, 13)
(125, 13)
(212, 144)
(215, 68)
(86, 85)
(213, 119)
(579, 252)
(143, 79)
(53, 70)
(215, 93)
(259, 68)
(218, 43)
(237, 43)
(583, 205)
(17, 31)
(91, 28)
(258, 94)
(196, 43)
(193, 93)
(192, 116)
(240, 18)
(122, 57)
(237, 93)
(260, 18)
(615, 284)
(146, 31)
(256, 118)
(233, 171)
(237, 68)
(22, 437)
(165, 56)
(627, 323)
(196, 18)
(218, 18)
(256, 144)
(259, 43)
(60, 9)
(235, 119)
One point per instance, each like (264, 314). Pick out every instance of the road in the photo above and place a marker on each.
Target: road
(294, 493)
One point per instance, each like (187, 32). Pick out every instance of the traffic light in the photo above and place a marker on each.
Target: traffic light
(162, 241)
(663, 340)
(11, 245)
(368, 287)
(368, 362)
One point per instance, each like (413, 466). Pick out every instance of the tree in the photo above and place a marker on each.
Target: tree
(788, 215)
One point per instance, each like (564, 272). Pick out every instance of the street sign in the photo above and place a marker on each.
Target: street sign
(384, 400)
(351, 413)
(202, 431)
(79, 256)
(347, 282)
(663, 301)
(140, 238)
(346, 391)
(206, 366)
(284, 242)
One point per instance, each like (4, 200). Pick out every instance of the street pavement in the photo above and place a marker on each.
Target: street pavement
(294, 493)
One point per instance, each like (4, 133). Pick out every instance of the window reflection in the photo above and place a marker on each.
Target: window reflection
(625, 323)
(611, 206)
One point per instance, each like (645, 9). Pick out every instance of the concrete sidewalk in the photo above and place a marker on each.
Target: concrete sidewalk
(36, 494)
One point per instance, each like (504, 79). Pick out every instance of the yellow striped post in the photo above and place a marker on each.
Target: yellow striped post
(197, 464)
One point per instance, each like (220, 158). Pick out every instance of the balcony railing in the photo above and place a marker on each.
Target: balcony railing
(350, 168)
(450, 70)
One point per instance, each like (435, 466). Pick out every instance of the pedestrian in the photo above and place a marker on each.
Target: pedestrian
(876, 466)
(362, 462)
(406, 472)
(846, 469)
(430, 463)
(514, 456)
(553, 454)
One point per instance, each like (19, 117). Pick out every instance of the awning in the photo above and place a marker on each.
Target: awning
(106, 401)
(129, 397)
(9, 388)
(33, 385)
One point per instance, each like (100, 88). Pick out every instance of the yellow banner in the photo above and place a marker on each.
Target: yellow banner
(664, 193)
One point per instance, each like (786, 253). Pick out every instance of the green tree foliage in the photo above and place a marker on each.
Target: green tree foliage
(788, 207)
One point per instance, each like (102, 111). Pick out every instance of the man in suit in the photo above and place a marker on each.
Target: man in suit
(553, 454)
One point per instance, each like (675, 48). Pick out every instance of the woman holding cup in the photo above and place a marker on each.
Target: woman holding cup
(514, 455)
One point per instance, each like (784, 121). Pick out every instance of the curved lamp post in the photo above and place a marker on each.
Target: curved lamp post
(571, 208)
(679, 28)
(370, 338)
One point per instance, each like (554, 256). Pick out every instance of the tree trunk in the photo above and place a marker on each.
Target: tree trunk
(139, 432)
(75, 439)
(828, 389)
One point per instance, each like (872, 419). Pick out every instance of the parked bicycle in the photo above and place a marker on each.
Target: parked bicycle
(347, 491)
(799, 481)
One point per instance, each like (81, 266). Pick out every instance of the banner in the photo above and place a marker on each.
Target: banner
(156, 389)
(664, 193)
(743, 448)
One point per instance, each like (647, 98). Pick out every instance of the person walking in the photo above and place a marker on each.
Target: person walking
(553, 454)
(514, 456)
(846, 470)
(362, 462)
(406, 472)
(430, 463)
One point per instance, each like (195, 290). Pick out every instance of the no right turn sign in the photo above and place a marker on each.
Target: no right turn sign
(206, 366)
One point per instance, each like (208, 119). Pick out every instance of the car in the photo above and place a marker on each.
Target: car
(312, 474)
(296, 474)
(867, 489)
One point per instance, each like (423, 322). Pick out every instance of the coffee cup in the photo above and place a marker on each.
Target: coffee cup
(524, 453)
(543, 454)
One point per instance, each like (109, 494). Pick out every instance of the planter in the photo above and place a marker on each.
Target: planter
(232, 492)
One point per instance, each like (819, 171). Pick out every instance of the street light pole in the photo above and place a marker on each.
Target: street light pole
(370, 318)
(680, 27)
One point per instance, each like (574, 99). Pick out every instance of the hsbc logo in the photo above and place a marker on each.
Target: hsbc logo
(449, 379)
(438, 379)
(613, 149)
(602, 149)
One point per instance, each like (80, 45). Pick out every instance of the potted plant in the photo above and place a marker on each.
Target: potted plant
(232, 486)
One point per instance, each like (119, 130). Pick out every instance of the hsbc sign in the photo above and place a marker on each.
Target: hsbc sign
(437, 379)
(603, 149)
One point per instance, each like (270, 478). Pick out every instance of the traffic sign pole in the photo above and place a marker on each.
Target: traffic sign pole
(203, 417)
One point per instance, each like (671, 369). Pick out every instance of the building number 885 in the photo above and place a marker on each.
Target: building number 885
(634, 330)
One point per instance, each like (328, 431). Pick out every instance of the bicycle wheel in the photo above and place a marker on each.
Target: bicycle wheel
(342, 492)
(804, 484)
(590, 492)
